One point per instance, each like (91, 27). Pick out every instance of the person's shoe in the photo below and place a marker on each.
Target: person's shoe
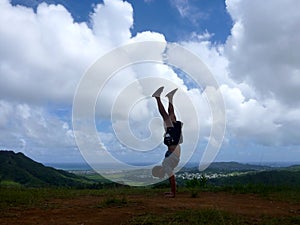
(171, 93)
(158, 92)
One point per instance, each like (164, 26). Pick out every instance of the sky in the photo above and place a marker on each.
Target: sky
(251, 48)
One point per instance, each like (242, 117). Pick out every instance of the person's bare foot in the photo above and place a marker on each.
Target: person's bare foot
(171, 93)
(158, 92)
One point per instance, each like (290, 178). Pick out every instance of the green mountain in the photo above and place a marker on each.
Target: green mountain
(277, 177)
(234, 173)
(226, 167)
(234, 167)
(16, 168)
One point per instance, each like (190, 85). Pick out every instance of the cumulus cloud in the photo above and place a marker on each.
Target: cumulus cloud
(250, 117)
(43, 54)
(112, 22)
(132, 102)
(263, 48)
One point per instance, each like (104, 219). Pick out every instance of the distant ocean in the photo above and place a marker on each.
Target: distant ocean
(276, 164)
(86, 167)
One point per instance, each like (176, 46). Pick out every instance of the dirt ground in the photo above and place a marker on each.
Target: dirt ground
(89, 210)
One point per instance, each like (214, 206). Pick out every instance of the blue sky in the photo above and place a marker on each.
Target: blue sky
(161, 16)
(46, 48)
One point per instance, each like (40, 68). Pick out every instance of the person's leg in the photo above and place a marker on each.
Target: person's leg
(173, 185)
(161, 107)
(171, 111)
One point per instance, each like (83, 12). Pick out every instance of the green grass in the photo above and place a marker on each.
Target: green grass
(278, 193)
(291, 195)
(209, 217)
(282, 193)
(9, 184)
(113, 201)
(34, 197)
(95, 177)
(12, 195)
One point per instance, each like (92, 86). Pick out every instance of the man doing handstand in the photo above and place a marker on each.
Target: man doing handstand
(172, 138)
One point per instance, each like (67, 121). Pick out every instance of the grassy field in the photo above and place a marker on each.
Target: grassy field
(15, 195)
(147, 206)
(211, 217)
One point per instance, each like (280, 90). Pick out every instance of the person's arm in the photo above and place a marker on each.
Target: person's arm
(173, 184)
(173, 187)
(169, 171)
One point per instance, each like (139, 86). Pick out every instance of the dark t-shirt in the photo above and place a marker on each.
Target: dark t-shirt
(173, 135)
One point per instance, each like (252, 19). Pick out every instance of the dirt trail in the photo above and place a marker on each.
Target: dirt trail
(89, 210)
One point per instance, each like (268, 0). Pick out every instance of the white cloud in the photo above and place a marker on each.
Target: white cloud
(188, 11)
(250, 118)
(213, 57)
(262, 54)
(30, 128)
(43, 54)
(182, 7)
(263, 49)
(112, 22)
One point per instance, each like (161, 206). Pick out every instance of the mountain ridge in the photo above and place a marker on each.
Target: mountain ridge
(20, 169)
